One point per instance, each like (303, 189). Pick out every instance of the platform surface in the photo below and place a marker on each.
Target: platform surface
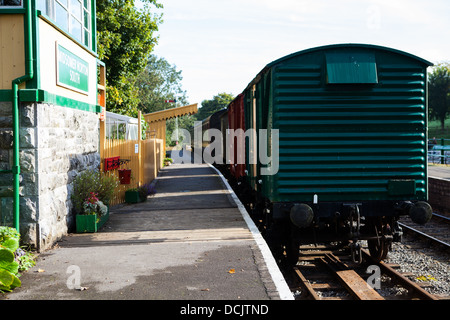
(189, 241)
(439, 171)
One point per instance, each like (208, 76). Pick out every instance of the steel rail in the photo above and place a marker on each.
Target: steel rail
(446, 245)
(401, 279)
(427, 236)
(445, 218)
(354, 284)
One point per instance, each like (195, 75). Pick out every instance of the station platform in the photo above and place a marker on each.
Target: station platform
(192, 240)
(439, 171)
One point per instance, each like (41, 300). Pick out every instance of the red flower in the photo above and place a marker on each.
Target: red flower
(92, 199)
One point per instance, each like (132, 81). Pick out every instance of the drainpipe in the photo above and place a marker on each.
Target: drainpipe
(15, 112)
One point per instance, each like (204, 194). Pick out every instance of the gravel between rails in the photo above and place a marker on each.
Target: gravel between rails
(429, 265)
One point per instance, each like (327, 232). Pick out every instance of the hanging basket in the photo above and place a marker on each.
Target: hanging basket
(125, 176)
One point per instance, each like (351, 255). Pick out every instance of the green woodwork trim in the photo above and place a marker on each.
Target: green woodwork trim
(6, 95)
(38, 95)
(12, 10)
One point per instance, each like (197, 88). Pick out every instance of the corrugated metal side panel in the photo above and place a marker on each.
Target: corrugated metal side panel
(346, 143)
(236, 120)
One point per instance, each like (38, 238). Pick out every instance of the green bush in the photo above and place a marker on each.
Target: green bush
(146, 190)
(12, 259)
(90, 181)
(106, 187)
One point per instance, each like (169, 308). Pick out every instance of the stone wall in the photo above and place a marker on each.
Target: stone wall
(56, 143)
(6, 159)
(439, 194)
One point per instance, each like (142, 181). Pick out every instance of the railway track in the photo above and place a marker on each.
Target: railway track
(436, 231)
(329, 275)
(324, 273)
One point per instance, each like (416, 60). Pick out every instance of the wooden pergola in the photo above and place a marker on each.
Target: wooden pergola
(157, 120)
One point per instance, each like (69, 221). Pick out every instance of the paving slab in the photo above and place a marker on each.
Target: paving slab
(439, 171)
(189, 241)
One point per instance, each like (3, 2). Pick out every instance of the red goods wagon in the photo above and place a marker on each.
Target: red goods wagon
(236, 121)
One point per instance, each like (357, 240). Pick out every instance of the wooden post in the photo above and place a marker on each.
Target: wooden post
(140, 169)
(102, 102)
(102, 143)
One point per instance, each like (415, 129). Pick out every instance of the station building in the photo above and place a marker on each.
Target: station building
(49, 112)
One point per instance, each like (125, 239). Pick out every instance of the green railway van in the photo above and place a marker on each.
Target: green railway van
(352, 144)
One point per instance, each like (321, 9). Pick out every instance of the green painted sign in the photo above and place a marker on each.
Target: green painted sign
(72, 71)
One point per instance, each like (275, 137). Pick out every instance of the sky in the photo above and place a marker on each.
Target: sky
(221, 45)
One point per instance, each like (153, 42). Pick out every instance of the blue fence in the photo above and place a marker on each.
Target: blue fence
(439, 151)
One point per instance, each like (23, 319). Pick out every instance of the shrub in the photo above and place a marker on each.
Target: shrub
(146, 190)
(106, 188)
(91, 181)
(12, 259)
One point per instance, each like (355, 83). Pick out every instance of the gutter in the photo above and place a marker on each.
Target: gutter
(15, 112)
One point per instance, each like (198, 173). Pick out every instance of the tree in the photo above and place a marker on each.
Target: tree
(217, 103)
(158, 82)
(439, 91)
(126, 37)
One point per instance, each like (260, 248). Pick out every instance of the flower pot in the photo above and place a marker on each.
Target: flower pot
(86, 223)
(125, 176)
(132, 196)
(90, 222)
(102, 220)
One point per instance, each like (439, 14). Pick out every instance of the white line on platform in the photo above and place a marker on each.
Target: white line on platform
(282, 287)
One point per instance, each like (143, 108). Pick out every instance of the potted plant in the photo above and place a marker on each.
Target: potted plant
(168, 161)
(140, 194)
(132, 195)
(95, 214)
(92, 192)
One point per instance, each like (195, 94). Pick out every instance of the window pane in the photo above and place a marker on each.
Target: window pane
(351, 68)
(75, 8)
(10, 2)
(61, 17)
(64, 2)
(86, 20)
(75, 29)
(87, 37)
(41, 5)
(86, 3)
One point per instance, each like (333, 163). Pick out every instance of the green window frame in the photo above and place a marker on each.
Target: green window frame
(72, 16)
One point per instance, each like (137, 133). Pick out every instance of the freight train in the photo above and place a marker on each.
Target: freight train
(351, 147)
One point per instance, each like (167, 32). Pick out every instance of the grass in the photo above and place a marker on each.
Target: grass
(435, 131)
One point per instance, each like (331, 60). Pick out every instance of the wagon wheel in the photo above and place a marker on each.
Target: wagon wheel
(379, 248)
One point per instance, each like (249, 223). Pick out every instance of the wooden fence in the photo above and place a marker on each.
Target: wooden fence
(143, 157)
